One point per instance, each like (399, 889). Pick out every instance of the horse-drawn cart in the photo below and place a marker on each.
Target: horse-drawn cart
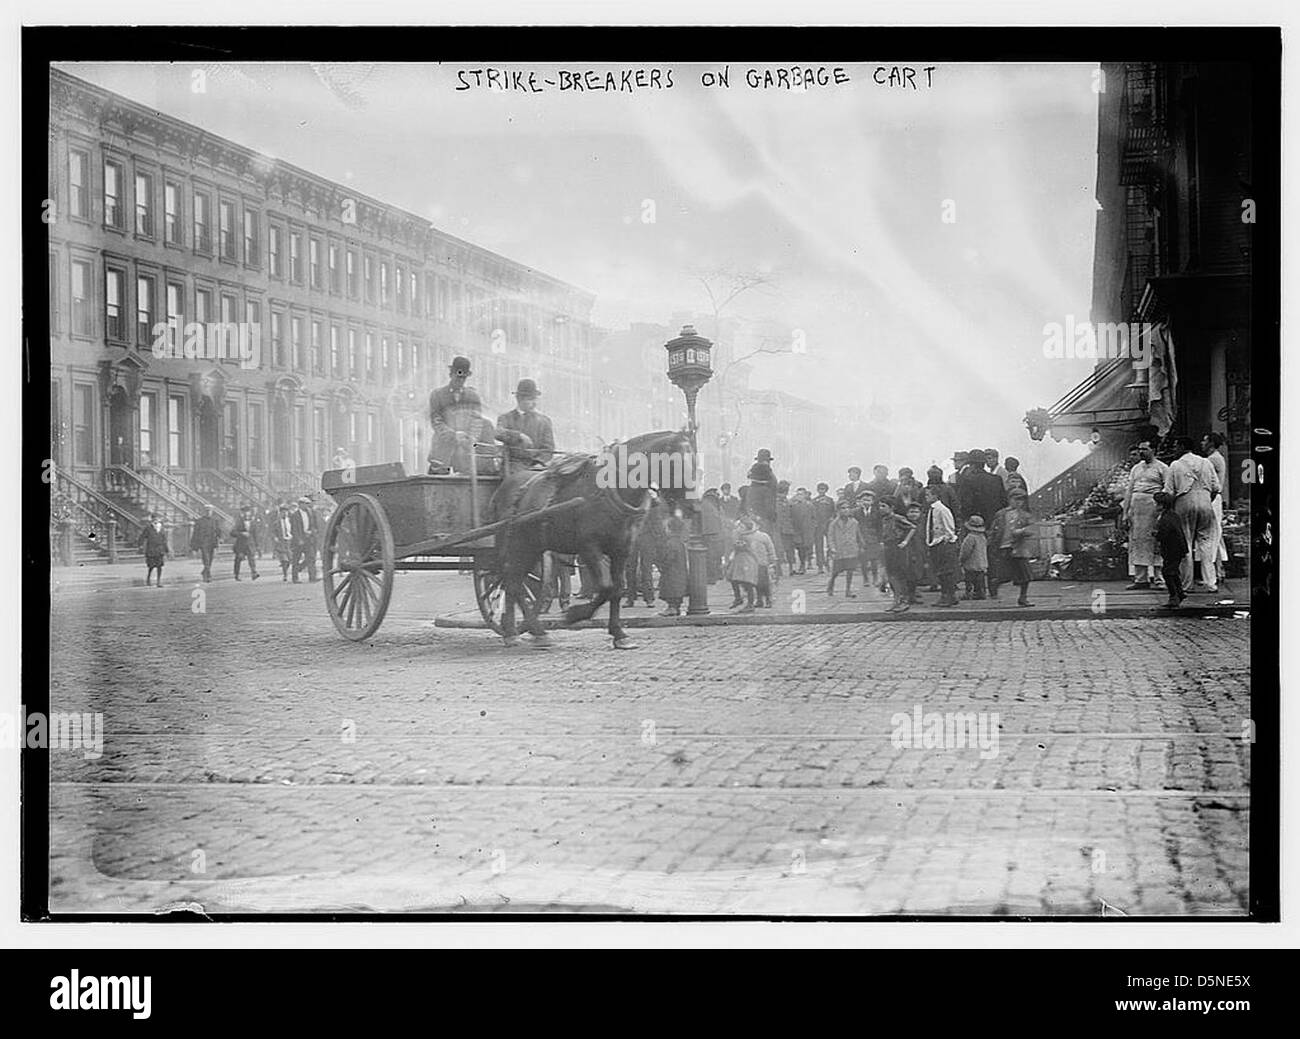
(388, 521)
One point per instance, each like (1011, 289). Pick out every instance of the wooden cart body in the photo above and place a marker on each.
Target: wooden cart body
(388, 521)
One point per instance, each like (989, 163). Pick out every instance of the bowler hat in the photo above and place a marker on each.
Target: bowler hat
(460, 364)
(764, 455)
(975, 523)
(527, 388)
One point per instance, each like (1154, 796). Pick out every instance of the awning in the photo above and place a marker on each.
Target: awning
(1106, 399)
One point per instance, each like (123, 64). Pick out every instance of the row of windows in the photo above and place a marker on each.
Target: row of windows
(321, 344)
(300, 257)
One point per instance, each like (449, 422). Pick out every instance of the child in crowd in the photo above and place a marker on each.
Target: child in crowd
(894, 528)
(1172, 541)
(742, 567)
(153, 539)
(917, 557)
(999, 549)
(672, 566)
(769, 566)
(973, 559)
(869, 528)
(844, 539)
(1023, 545)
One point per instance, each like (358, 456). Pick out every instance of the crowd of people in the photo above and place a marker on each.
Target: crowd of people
(288, 531)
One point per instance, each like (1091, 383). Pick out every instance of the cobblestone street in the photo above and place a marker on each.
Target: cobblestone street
(253, 760)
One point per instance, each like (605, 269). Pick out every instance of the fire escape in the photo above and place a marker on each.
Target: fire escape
(1145, 151)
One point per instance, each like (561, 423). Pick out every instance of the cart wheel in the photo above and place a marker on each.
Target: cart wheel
(491, 595)
(358, 561)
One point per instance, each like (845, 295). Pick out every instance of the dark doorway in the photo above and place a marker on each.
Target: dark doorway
(119, 428)
(209, 435)
(281, 435)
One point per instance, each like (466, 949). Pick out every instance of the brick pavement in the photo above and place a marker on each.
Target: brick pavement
(254, 760)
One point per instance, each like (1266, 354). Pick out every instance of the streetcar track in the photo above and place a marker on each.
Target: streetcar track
(821, 791)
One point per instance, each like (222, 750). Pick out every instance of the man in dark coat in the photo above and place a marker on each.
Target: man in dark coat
(306, 533)
(785, 528)
(761, 499)
(243, 534)
(850, 491)
(525, 431)
(979, 492)
(204, 539)
(823, 509)
(455, 411)
(881, 485)
(801, 516)
(646, 554)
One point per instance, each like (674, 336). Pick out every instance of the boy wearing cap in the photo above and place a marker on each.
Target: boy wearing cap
(895, 529)
(844, 538)
(1171, 537)
(242, 534)
(973, 558)
(153, 539)
(525, 431)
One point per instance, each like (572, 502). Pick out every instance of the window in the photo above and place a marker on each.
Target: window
(415, 358)
(172, 214)
(83, 425)
(336, 283)
(401, 289)
(315, 346)
(401, 357)
(253, 335)
(175, 312)
(295, 340)
(273, 253)
(334, 350)
(230, 435)
(229, 311)
(202, 223)
(277, 340)
(203, 306)
(144, 205)
(227, 229)
(383, 284)
(370, 434)
(114, 289)
(78, 186)
(299, 437)
(415, 294)
(352, 430)
(252, 238)
(82, 321)
(313, 262)
(175, 430)
(352, 352)
(352, 273)
(295, 257)
(256, 459)
(318, 427)
(147, 405)
(369, 276)
(113, 214)
(370, 354)
(54, 292)
(144, 310)
(383, 354)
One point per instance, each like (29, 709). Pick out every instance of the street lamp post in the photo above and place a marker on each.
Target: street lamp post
(689, 369)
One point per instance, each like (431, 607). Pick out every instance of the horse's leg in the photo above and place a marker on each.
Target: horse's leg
(596, 563)
(621, 641)
(510, 585)
(533, 618)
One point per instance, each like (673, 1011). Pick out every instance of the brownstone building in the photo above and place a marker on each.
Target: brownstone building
(352, 310)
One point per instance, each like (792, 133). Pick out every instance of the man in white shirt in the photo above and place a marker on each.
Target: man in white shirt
(941, 543)
(1194, 484)
(1215, 446)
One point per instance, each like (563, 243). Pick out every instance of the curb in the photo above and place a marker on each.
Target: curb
(473, 622)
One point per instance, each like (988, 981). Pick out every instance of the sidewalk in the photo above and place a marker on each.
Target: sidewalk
(803, 600)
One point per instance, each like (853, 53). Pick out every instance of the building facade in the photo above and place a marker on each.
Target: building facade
(349, 310)
(1172, 258)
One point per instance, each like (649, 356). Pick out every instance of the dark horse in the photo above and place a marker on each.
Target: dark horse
(599, 532)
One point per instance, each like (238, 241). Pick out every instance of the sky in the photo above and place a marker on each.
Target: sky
(919, 239)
